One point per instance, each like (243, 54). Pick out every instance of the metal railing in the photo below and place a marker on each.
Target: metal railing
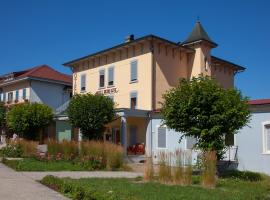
(231, 153)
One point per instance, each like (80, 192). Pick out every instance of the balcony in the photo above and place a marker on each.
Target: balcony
(20, 100)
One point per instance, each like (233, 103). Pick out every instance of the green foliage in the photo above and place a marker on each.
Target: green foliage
(243, 175)
(2, 114)
(203, 109)
(90, 113)
(133, 189)
(28, 119)
(76, 191)
(12, 150)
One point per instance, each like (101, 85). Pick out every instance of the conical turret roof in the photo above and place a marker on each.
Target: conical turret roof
(197, 34)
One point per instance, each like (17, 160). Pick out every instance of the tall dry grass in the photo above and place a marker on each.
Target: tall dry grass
(164, 171)
(182, 168)
(209, 162)
(148, 169)
(29, 148)
(111, 155)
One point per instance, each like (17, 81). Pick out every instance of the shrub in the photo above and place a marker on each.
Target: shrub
(243, 175)
(13, 150)
(209, 163)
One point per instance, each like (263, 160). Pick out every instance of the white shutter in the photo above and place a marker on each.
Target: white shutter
(267, 137)
(190, 142)
(133, 71)
(161, 137)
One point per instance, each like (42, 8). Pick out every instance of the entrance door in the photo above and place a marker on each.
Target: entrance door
(63, 130)
(133, 135)
(116, 135)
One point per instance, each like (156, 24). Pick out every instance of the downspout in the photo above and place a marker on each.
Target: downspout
(152, 95)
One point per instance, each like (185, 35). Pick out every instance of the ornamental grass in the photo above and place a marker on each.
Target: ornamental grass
(209, 162)
(148, 169)
(164, 171)
(29, 148)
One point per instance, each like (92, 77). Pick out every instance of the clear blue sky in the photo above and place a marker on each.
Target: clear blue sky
(34, 32)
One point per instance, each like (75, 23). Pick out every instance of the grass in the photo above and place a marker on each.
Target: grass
(135, 189)
(31, 164)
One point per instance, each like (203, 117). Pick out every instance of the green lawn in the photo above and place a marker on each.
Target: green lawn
(31, 164)
(134, 189)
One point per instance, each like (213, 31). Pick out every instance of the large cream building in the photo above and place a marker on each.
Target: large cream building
(137, 72)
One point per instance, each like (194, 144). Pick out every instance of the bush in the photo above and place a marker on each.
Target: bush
(243, 175)
(12, 150)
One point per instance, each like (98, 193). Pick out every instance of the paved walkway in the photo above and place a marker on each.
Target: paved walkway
(24, 186)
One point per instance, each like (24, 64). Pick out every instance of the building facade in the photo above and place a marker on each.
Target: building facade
(136, 73)
(41, 84)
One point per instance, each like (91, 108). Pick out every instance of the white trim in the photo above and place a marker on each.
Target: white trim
(264, 150)
(111, 67)
(166, 131)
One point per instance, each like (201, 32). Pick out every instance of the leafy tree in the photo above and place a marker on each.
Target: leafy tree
(2, 115)
(27, 120)
(202, 109)
(90, 113)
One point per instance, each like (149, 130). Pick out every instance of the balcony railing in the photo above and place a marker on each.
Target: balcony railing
(231, 153)
(15, 101)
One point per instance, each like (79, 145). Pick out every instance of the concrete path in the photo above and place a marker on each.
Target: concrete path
(16, 186)
(77, 175)
(24, 186)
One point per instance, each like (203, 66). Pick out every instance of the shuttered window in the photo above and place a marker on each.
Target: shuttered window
(111, 76)
(190, 142)
(83, 82)
(133, 71)
(17, 95)
(267, 138)
(102, 78)
(24, 93)
(161, 137)
(4, 97)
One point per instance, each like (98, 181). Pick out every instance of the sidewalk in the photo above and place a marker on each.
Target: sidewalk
(16, 186)
(24, 186)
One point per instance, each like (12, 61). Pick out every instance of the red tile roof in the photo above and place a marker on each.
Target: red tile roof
(46, 72)
(259, 102)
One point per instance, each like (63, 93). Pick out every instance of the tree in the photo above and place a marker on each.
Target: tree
(2, 115)
(27, 120)
(90, 113)
(202, 109)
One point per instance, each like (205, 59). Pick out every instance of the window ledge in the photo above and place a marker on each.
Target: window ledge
(101, 88)
(135, 81)
(110, 86)
(83, 91)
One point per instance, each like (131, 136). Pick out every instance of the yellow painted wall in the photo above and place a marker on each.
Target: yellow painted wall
(170, 66)
(224, 75)
(121, 79)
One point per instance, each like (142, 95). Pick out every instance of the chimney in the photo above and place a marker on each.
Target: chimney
(129, 38)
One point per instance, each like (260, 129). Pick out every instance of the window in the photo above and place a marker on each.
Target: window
(17, 95)
(110, 76)
(133, 71)
(161, 137)
(102, 78)
(10, 96)
(83, 82)
(266, 138)
(1, 96)
(190, 142)
(24, 93)
(133, 100)
(4, 97)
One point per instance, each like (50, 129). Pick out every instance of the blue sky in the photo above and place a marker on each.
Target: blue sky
(34, 32)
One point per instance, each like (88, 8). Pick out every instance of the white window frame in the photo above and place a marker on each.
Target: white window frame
(99, 73)
(136, 80)
(130, 96)
(82, 91)
(108, 85)
(166, 131)
(264, 139)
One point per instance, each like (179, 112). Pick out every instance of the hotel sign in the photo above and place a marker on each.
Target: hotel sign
(107, 91)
